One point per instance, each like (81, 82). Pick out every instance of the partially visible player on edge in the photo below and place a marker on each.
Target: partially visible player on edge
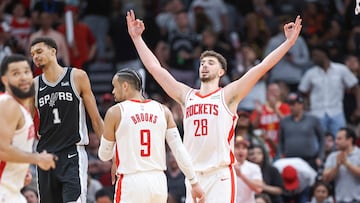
(139, 127)
(210, 112)
(63, 97)
(17, 129)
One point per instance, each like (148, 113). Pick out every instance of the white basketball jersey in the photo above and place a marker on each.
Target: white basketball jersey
(12, 175)
(209, 130)
(140, 137)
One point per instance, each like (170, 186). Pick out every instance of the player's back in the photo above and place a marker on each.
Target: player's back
(12, 175)
(140, 137)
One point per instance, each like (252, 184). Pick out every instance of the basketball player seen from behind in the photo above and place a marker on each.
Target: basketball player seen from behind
(210, 112)
(62, 96)
(139, 127)
(17, 132)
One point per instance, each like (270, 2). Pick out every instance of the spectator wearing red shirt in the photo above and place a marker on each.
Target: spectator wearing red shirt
(83, 48)
(267, 117)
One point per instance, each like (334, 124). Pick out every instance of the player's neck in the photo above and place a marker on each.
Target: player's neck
(52, 72)
(208, 87)
(136, 96)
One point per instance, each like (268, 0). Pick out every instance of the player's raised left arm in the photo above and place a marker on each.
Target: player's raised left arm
(238, 89)
(82, 81)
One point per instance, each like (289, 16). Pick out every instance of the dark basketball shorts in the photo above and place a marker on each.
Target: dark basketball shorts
(68, 181)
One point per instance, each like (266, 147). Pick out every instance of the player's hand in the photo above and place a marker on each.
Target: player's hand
(197, 193)
(46, 161)
(135, 26)
(292, 30)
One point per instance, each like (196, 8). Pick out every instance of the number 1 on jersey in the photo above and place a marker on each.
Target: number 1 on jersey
(57, 119)
(145, 142)
(201, 127)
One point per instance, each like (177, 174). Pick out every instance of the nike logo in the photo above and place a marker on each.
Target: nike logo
(65, 83)
(42, 88)
(223, 179)
(71, 156)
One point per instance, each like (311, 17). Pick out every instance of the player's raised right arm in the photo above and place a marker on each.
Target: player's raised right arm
(173, 88)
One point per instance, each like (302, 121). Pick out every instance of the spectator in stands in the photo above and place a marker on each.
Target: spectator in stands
(215, 10)
(104, 196)
(245, 59)
(249, 178)
(20, 26)
(300, 131)
(273, 183)
(46, 30)
(343, 167)
(290, 68)
(30, 194)
(166, 17)
(325, 84)
(96, 16)
(298, 176)
(55, 9)
(184, 50)
(321, 193)
(83, 47)
(244, 128)
(350, 102)
(267, 117)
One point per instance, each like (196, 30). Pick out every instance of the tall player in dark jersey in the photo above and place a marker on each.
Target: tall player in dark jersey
(62, 95)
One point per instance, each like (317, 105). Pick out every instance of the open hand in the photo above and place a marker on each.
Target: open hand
(135, 26)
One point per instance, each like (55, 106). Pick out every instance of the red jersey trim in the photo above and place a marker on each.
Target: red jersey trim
(2, 168)
(118, 189)
(203, 96)
(138, 101)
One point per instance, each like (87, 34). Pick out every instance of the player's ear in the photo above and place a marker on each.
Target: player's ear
(3, 81)
(221, 72)
(53, 51)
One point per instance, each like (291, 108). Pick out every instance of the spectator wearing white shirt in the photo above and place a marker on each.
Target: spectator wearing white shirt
(325, 84)
(249, 177)
(298, 176)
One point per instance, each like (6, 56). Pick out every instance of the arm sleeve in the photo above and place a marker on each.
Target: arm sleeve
(106, 149)
(180, 154)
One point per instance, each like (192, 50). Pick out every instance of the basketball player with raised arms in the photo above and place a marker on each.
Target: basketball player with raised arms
(139, 127)
(210, 112)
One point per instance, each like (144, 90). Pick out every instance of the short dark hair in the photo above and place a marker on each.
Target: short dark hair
(349, 133)
(46, 40)
(11, 59)
(219, 57)
(103, 192)
(131, 76)
(25, 189)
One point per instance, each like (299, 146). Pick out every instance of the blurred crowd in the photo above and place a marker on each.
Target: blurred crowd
(294, 114)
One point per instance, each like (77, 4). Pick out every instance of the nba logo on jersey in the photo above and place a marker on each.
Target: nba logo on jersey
(53, 98)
